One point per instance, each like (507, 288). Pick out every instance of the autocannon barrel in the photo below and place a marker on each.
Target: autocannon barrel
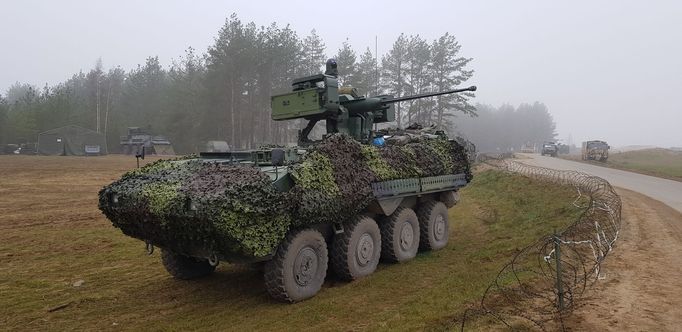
(426, 95)
(383, 102)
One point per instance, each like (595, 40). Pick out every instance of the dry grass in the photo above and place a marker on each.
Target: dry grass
(662, 163)
(658, 162)
(52, 235)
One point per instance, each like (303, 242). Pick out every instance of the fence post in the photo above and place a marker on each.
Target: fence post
(559, 286)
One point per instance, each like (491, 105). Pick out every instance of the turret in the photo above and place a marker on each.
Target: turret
(319, 97)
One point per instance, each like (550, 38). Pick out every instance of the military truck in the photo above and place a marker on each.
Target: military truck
(138, 138)
(349, 200)
(563, 148)
(550, 149)
(595, 150)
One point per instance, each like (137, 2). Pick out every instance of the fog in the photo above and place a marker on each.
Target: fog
(607, 70)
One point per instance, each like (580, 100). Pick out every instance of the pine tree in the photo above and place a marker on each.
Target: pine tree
(448, 71)
(186, 101)
(313, 53)
(367, 74)
(345, 59)
(4, 121)
(418, 79)
(393, 67)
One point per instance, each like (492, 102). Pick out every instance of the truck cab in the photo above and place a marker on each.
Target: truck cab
(549, 148)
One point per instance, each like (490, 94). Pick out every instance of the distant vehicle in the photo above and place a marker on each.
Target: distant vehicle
(563, 148)
(595, 150)
(138, 138)
(549, 148)
(24, 148)
(28, 148)
(217, 146)
(9, 148)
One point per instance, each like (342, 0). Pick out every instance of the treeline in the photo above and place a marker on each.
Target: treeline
(507, 128)
(224, 93)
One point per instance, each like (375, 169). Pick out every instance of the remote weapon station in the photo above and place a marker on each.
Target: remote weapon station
(356, 196)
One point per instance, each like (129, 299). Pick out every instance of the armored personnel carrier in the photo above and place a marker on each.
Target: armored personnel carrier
(345, 202)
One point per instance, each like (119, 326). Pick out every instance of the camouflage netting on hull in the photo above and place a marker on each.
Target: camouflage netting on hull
(194, 206)
(333, 183)
(199, 206)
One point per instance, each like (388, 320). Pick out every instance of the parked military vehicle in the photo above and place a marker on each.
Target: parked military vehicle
(550, 149)
(217, 146)
(23, 148)
(139, 138)
(348, 200)
(595, 150)
(9, 148)
(563, 148)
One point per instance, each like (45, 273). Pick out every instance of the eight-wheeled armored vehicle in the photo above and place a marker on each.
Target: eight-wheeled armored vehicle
(357, 196)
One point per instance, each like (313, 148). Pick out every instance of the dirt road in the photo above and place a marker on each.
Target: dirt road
(642, 288)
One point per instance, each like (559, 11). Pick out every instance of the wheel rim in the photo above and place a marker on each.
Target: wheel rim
(406, 236)
(439, 228)
(364, 252)
(305, 266)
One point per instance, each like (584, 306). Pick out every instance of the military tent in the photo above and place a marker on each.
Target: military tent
(71, 140)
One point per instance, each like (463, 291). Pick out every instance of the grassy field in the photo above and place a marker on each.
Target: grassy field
(657, 162)
(662, 163)
(64, 267)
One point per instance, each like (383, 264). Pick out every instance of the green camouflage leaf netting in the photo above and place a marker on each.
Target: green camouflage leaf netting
(353, 167)
(197, 206)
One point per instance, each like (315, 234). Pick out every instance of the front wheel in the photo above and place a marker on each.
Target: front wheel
(185, 267)
(298, 269)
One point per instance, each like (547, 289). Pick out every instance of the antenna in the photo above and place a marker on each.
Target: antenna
(376, 71)
(376, 65)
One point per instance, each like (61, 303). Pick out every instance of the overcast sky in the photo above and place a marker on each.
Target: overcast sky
(607, 70)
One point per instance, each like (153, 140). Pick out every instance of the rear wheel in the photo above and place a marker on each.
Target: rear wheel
(298, 269)
(433, 225)
(185, 267)
(400, 236)
(355, 252)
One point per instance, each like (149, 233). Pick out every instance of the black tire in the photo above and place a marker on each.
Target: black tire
(433, 225)
(298, 269)
(400, 236)
(185, 267)
(355, 253)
